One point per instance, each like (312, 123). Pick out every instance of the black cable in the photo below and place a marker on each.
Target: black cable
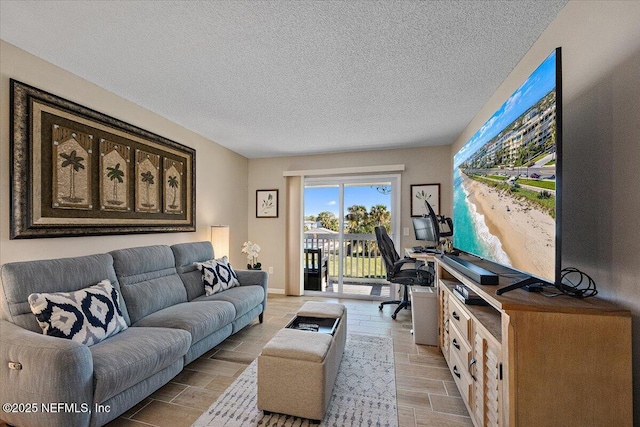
(576, 283)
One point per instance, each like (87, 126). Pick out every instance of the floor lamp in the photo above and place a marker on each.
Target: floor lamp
(220, 240)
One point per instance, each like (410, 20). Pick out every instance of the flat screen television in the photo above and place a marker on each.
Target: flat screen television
(506, 181)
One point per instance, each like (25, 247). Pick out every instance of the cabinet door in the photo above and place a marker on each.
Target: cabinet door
(485, 368)
(444, 323)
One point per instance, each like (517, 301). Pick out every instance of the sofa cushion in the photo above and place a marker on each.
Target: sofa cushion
(134, 355)
(217, 275)
(20, 279)
(186, 255)
(200, 320)
(148, 279)
(243, 298)
(87, 316)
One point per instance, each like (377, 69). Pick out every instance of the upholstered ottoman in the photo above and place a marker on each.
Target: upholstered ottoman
(297, 369)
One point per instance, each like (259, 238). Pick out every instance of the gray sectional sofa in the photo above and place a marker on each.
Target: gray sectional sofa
(170, 323)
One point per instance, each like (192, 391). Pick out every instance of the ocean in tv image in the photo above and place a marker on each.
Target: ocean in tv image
(504, 180)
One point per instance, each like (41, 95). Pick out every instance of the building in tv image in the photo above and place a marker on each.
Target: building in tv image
(505, 180)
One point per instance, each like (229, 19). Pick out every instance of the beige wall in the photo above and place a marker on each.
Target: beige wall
(221, 175)
(601, 73)
(601, 204)
(422, 166)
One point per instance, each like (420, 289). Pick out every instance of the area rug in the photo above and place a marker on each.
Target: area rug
(364, 393)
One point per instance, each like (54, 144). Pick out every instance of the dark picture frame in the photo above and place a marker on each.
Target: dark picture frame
(78, 172)
(422, 192)
(266, 203)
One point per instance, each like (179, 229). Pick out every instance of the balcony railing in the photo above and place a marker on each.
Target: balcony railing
(361, 257)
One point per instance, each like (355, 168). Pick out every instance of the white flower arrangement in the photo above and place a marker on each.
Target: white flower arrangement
(252, 250)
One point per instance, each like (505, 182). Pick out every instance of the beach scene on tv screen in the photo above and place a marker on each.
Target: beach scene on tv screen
(505, 180)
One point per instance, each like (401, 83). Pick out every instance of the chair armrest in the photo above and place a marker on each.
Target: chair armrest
(45, 370)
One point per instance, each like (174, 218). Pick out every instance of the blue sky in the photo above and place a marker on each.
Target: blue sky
(321, 199)
(539, 83)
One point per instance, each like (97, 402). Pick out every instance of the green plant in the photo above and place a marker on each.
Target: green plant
(544, 194)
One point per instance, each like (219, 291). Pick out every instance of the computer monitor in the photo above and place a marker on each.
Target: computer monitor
(424, 231)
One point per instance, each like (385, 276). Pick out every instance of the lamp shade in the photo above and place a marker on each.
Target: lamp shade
(220, 240)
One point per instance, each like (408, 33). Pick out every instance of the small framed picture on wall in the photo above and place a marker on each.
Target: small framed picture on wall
(421, 193)
(266, 203)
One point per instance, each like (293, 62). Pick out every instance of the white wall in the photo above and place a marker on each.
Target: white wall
(601, 86)
(221, 175)
(422, 166)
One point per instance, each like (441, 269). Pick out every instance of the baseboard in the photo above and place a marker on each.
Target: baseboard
(275, 291)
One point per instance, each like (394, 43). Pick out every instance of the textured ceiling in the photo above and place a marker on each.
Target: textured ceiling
(277, 78)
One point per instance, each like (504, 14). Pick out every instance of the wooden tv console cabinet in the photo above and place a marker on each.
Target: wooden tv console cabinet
(529, 360)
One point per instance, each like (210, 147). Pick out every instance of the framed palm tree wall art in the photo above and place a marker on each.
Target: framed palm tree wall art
(75, 172)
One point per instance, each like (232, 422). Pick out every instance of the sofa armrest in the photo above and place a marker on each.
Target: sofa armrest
(41, 372)
(255, 277)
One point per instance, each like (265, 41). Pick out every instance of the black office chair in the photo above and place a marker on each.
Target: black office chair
(403, 271)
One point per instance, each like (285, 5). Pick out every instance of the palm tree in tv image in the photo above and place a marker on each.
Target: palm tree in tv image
(74, 162)
(116, 175)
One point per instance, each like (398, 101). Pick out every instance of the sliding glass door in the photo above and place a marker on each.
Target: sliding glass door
(340, 253)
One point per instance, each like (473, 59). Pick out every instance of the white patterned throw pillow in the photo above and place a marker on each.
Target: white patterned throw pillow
(217, 275)
(87, 316)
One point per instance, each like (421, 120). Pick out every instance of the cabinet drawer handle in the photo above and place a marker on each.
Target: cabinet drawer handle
(455, 371)
(455, 316)
(471, 364)
(455, 344)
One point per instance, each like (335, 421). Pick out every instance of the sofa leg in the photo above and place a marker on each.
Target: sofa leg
(261, 317)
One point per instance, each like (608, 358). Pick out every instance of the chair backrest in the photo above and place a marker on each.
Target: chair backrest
(387, 250)
(312, 259)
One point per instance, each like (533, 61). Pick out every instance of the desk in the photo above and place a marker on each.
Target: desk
(426, 257)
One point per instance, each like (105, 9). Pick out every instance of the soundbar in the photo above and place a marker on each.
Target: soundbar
(472, 271)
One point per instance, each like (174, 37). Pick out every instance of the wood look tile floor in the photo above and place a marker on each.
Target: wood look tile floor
(426, 393)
